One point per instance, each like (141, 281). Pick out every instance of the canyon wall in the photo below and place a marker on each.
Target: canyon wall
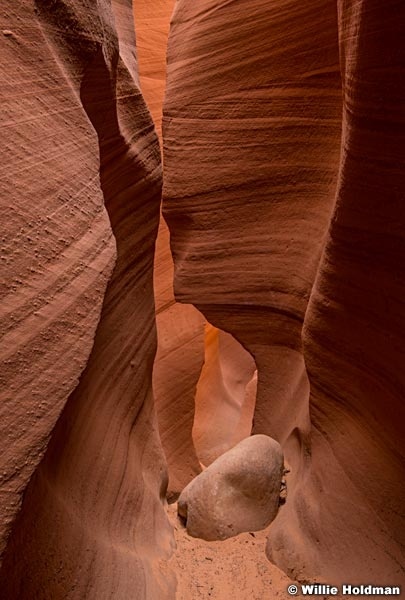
(284, 199)
(92, 522)
(251, 149)
(350, 504)
(260, 150)
(180, 327)
(189, 399)
(251, 138)
(58, 250)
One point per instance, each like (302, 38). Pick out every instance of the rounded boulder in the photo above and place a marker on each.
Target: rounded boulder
(238, 492)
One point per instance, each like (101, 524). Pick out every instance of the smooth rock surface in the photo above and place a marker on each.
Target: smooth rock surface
(225, 396)
(346, 514)
(238, 492)
(180, 328)
(80, 141)
(267, 166)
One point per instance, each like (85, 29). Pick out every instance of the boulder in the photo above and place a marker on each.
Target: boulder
(238, 492)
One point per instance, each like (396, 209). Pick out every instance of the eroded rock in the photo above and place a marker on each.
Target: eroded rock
(237, 492)
(82, 509)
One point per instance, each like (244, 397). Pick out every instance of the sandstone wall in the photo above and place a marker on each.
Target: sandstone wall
(92, 523)
(180, 328)
(58, 250)
(349, 505)
(257, 155)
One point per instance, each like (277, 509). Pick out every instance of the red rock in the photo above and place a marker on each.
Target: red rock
(251, 138)
(92, 524)
(349, 496)
(57, 250)
(176, 372)
(253, 163)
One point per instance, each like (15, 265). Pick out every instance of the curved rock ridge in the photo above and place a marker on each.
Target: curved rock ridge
(256, 153)
(251, 148)
(238, 492)
(225, 396)
(57, 247)
(180, 328)
(92, 523)
(176, 373)
(251, 151)
(350, 505)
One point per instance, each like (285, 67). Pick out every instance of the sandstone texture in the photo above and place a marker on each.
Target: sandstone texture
(57, 248)
(80, 144)
(284, 141)
(354, 332)
(251, 152)
(225, 396)
(180, 328)
(238, 492)
(282, 313)
(201, 412)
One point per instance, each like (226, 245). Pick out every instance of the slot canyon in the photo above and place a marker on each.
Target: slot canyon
(203, 247)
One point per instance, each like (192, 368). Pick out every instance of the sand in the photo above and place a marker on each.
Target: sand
(235, 569)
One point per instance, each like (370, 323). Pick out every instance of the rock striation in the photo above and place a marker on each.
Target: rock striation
(80, 141)
(267, 166)
(57, 250)
(225, 396)
(238, 492)
(349, 501)
(180, 328)
(257, 135)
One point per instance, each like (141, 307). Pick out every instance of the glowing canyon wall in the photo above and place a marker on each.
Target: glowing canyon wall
(283, 152)
(267, 165)
(91, 523)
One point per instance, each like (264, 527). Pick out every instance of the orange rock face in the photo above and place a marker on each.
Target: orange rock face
(225, 396)
(92, 523)
(257, 156)
(349, 502)
(58, 250)
(180, 328)
(284, 137)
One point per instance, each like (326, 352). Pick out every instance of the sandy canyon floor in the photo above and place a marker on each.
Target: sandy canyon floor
(235, 569)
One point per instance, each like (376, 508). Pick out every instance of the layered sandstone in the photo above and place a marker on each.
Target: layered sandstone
(58, 250)
(180, 328)
(349, 502)
(92, 523)
(256, 133)
(256, 154)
